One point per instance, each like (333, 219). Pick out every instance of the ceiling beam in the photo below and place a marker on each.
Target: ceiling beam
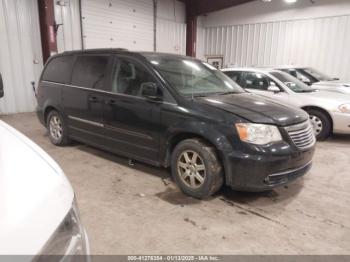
(201, 7)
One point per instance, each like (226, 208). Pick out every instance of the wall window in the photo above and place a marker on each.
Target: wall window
(89, 71)
(128, 78)
(58, 70)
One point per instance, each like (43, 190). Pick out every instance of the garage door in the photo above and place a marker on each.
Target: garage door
(118, 24)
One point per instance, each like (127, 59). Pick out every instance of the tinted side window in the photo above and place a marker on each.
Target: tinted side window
(235, 76)
(58, 70)
(128, 77)
(258, 81)
(89, 71)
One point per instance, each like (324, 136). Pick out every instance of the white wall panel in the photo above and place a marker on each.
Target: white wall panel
(69, 32)
(118, 24)
(171, 27)
(200, 46)
(171, 37)
(320, 42)
(20, 54)
(276, 10)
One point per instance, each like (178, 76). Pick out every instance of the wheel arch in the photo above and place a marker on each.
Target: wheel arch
(324, 111)
(213, 141)
(47, 110)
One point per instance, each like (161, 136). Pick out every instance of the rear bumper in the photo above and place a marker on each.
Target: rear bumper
(277, 166)
(341, 123)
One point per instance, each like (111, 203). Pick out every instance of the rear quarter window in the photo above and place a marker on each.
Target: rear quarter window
(58, 70)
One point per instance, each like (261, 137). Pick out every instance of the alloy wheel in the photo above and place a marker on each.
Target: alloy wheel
(191, 169)
(56, 129)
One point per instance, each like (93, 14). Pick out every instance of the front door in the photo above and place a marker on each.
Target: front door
(259, 83)
(131, 121)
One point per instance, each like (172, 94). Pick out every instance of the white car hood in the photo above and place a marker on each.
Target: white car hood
(333, 83)
(35, 195)
(336, 85)
(323, 98)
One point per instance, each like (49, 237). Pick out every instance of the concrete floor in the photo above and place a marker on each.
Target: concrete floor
(138, 210)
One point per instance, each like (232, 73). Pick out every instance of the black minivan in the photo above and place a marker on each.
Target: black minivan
(174, 111)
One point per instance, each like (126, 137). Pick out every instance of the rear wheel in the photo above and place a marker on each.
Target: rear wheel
(320, 123)
(196, 168)
(57, 129)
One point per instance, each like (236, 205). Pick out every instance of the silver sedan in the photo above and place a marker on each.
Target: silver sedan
(329, 111)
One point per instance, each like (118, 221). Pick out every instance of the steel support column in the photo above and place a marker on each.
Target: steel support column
(47, 28)
(191, 34)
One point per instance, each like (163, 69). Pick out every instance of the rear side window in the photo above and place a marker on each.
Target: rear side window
(90, 71)
(58, 70)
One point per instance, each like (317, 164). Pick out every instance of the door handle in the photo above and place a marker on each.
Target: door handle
(94, 99)
(111, 102)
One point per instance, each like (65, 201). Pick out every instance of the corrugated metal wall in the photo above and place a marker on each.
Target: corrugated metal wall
(67, 15)
(171, 37)
(20, 54)
(322, 43)
(171, 27)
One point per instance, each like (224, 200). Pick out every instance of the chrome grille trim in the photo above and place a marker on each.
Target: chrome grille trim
(302, 135)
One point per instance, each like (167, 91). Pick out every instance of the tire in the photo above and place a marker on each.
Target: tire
(57, 129)
(187, 175)
(321, 124)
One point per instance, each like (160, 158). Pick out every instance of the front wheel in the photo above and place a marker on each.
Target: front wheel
(320, 123)
(196, 168)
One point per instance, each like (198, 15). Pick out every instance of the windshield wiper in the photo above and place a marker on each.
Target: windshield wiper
(306, 91)
(227, 93)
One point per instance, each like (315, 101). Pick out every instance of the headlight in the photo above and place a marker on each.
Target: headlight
(258, 134)
(68, 239)
(345, 108)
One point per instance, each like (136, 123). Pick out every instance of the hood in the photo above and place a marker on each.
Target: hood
(35, 195)
(333, 83)
(257, 109)
(326, 95)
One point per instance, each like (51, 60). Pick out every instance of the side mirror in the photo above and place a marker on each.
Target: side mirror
(307, 82)
(274, 89)
(150, 91)
(1, 87)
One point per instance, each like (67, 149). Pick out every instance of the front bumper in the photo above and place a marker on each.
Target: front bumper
(341, 123)
(274, 166)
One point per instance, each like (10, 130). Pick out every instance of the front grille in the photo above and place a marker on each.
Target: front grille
(302, 135)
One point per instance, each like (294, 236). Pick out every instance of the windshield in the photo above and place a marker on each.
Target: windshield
(291, 82)
(316, 74)
(191, 77)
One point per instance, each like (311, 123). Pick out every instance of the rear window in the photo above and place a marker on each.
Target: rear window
(58, 70)
(89, 71)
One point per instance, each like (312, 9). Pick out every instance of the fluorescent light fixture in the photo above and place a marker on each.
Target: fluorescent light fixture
(290, 1)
